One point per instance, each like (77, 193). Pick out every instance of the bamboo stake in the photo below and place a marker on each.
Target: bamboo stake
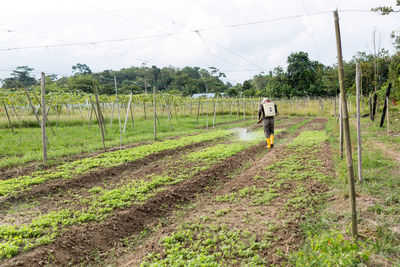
(32, 106)
(119, 114)
(144, 109)
(385, 105)
(155, 113)
(387, 113)
(359, 152)
(215, 111)
(100, 117)
(127, 112)
(112, 114)
(44, 119)
(198, 111)
(207, 114)
(168, 113)
(91, 112)
(346, 130)
(132, 117)
(16, 114)
(8, 117)
(58, 114)
(244, 108)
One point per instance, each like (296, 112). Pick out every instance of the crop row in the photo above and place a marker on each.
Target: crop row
(103, 202)
(212, 241)
(105, 160)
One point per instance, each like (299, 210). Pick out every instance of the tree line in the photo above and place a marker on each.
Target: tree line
(303, 77)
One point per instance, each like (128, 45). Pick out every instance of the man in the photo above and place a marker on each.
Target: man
(266, 112)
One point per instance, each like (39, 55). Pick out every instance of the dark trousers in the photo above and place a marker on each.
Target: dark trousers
(268, 123)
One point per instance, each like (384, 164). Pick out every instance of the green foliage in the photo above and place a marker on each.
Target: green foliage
(258, 196)
(199, 244)
(218, 152)
(308, 139)
(105, 160)
(45, 228)
(330, 249)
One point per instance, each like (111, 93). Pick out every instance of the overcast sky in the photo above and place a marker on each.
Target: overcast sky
(239, 52)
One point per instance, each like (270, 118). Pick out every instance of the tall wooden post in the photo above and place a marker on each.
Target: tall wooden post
(198, 111)
(8, 117)
(100, 117)
(215, 111)
(346, 127)
(340, 127)
(155, 113)
(359, 152)
(385, 105)
(244, 108)
(44, 119)
(127, 112)
(119, 114)
(387, 114)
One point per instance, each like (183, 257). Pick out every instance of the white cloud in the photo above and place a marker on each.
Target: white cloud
(45, 22)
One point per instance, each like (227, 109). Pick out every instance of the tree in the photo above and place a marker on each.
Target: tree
(81, 69)
(301, 73)
(21, 76)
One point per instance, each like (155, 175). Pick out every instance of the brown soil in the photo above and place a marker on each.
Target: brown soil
(286, 237)
(90, 179)
(78, 242)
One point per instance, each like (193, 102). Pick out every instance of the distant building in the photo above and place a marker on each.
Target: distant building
(207, 95)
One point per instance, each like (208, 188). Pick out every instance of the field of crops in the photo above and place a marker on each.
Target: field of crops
(200, 196)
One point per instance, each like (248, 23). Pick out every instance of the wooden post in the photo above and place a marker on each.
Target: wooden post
(15, 112)
(100, 117)
(91, 113)
(59, 109)
(119, 114)
(215, 111)
(238, 107)
(340, 127)
(40, 104)
(346, 129)
(198, 111)
(8, 117)
(32, 106)
(144, 109)
(155, 113)
(44, 119)
(132, 115)
(127, 112)
(244, 108)
(112, 114)
(385, 105)
(206, 113)
(387, 114)
(168, 112)
(335, 106)
(359, 152)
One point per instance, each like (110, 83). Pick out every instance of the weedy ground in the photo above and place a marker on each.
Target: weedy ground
(216, 201)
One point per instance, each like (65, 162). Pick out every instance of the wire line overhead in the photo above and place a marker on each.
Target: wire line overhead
(171, 34)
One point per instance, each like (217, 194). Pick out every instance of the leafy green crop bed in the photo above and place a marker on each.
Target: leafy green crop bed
(103, 202)
(105, 160)
(201, 244)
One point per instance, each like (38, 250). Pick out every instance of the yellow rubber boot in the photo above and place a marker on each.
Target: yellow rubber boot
(268, 143)
(271, 137)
